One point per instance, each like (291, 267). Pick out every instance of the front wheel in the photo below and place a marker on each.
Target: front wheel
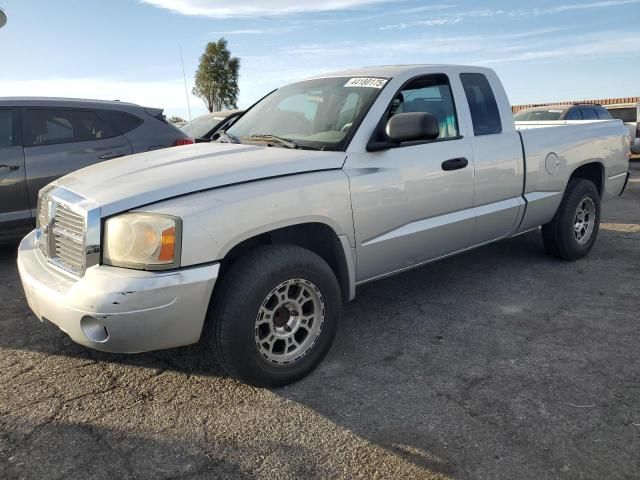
(274, 315)
(574, 228)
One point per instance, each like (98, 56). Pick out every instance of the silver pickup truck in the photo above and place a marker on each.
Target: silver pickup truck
(255, 242)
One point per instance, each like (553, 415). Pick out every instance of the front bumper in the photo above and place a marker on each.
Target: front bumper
(117, 309)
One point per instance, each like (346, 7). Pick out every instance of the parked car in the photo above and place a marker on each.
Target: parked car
(324, 185)
(563, 112)
(204, 127)
(42, 139)
(629, 113)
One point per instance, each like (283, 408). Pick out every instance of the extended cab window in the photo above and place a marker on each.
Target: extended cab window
(52, 126)
(482, 104)
(6, 128)
(429, 94)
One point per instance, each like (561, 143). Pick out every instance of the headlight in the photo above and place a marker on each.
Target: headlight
(145, 241)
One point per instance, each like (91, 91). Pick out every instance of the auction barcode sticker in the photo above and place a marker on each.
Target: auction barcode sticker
(366, 82)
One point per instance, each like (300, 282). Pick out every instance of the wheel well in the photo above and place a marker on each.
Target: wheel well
(317, 237)
(591, 171)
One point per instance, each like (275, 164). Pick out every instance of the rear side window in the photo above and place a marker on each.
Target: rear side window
(120, 122)
(573, 114)
(628, 115)
(53, 126)
(603, 113)
(482, 103)
(6, 128)
(589, 114)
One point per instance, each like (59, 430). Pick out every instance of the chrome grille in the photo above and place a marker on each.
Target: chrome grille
(67, 232)
(68, 239)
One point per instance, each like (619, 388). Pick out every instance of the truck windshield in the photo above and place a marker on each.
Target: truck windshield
(315, 114)
(537, 115)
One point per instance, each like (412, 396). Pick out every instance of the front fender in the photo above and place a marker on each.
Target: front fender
(215, 221)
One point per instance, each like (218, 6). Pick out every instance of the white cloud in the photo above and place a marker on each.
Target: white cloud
(570, 7)
(423, 23)
(602, 45)
(248, 31)
(250, 8)
(256, 31)
(524, 46)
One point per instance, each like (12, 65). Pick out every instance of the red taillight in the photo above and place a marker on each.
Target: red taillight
(184, 141)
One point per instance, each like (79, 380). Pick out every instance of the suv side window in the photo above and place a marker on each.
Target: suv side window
(573, 114)
(120, 122)
(589, 114)
(603, 113)
(482, 103)
(6, 128)
(53, 126)
(429, 94)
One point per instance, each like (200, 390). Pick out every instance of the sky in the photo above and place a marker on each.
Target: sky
(130, 49)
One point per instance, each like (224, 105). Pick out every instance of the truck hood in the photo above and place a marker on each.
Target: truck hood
(129, 182)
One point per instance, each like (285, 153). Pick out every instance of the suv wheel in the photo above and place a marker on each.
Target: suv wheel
(274, 315)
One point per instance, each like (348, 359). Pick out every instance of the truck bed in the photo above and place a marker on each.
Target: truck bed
(553, 150)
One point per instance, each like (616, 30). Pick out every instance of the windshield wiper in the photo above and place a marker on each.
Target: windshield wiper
(285, 142)
(224, 137)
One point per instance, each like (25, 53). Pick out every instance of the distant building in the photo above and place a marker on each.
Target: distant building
(603, 101)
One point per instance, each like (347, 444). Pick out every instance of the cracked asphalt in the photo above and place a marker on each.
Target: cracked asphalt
(500, 363)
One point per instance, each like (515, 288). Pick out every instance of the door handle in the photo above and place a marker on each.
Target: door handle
(110, 155)
(11, 168)
(454, 164)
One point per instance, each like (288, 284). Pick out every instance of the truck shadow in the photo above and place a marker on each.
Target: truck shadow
(81, 451)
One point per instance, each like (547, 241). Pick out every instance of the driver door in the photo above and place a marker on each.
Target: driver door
(409, 207)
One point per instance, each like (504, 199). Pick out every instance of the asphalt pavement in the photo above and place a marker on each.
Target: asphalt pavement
(501, 363)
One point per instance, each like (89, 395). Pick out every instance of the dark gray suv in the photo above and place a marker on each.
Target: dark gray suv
(42, 139)
(576, 111)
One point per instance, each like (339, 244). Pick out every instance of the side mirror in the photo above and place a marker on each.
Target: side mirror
(412, 127)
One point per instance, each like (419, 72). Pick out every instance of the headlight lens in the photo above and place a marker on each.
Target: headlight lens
(146, 241)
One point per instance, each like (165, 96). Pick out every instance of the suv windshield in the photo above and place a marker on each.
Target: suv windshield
(537, 115)
(315, 114)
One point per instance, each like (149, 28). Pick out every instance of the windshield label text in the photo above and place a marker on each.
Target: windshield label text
(366, 82)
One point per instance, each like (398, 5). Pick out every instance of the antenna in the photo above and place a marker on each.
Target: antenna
(186, 91)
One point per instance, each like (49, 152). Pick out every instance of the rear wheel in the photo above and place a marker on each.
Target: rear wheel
(274, 315)
(573, 230)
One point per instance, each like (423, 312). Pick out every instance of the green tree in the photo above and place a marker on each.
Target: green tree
(216, 81)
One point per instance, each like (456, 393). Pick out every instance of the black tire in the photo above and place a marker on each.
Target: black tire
(239, 297)
(559, 236)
